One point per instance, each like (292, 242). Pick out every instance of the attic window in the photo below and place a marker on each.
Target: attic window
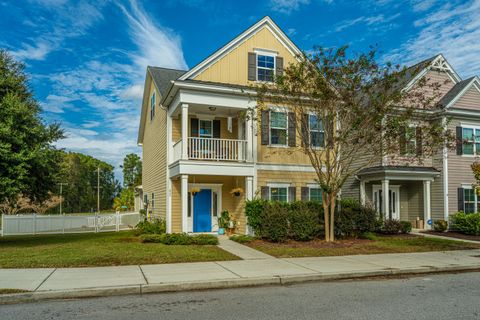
(152, 106)
(265, 67)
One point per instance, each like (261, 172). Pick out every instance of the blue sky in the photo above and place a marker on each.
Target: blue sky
(87, 59)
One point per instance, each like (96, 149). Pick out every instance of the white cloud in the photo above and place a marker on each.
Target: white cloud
(287, 6)
(91, 124)
(36, 52)
(133, 92)
(422, 5)
(157, 45)
(368, 21)
(453, 30)
(291, 32)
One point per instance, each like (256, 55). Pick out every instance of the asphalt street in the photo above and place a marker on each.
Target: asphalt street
(445, 296)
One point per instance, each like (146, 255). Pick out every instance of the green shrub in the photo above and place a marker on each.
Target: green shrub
(303, 221)
(466, 223)
(157, 226)
(274, 222)
(353, 219)
(180, 239)
(242, 238)
(440, 225)
(143, 213)
(369, 236)
(253, 212)
(391, 226)
(405, 226)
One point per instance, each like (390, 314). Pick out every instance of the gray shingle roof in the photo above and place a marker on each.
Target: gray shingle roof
(163, 76)
(450, 95)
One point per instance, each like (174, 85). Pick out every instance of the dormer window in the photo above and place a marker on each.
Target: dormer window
(265, 68)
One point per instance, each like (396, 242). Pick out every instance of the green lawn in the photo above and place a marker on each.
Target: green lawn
(383, 244)
(97, 249)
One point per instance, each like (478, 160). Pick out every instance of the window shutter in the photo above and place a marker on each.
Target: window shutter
(291, 130)
(193, 127)
(292, 194)
(459, 140)
(403, 140)
(305, 134)
(265, 192)
(216, 129)
(279, 66)
(305, 193)
(419, 138)
(252, 66)
(265, 127)
(460, 196)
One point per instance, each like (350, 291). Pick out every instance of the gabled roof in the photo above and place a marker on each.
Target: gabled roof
(218, 54)
(417, 71)
(162, 77)
(458, 91)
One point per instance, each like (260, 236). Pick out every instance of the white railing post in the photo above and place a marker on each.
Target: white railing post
(117, 221)
(184, 131)
(3, 223)
(63, 223)
(34, 224)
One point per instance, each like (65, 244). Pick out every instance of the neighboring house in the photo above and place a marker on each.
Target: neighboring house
(441, 185)
(198, 146)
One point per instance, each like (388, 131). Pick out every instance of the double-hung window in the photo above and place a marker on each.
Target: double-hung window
(152, 106)
(279, 193)
(278, 128)
(315, 194)
(471, 141)
(468, 200)
(205, 129)
(265, 67)
(317, 132)
(411, 140)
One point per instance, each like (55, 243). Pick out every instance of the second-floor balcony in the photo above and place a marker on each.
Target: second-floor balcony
(215, 149)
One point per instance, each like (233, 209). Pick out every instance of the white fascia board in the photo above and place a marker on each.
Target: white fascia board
(285, 167)
(463, 113)
(211, 168)
(276, 31)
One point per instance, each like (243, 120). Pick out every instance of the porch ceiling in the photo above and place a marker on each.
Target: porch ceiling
(398, 173)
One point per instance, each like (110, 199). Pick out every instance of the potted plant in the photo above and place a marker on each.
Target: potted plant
(237, 192)
(194, 191)
(223, 221)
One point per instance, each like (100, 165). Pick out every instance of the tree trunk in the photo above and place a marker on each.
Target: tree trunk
(332, 217)
(326, 216)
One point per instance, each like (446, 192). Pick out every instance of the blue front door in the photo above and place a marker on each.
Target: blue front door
(202, 211)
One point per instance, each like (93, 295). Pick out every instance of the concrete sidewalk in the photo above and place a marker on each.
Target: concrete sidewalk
(100, 281)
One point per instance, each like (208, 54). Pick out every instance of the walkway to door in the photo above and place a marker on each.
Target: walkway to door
(244, 252)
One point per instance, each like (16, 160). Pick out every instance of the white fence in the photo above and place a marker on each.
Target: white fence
(54, 224)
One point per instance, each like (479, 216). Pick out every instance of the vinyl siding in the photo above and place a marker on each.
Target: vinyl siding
(176, 206)
(437, 192)
(470, 100)
(436, 77)
(459, 171)
(351, 187)
(233, 67)
(155, 154)
(295, 178)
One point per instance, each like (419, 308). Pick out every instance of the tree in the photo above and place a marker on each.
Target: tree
(28, 162)
(355, 107)
(132, 170)
(125, 199)
(42, 207)
(80, 193)
(15, 205)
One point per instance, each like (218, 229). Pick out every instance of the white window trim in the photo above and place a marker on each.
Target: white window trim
(475, 201)
(278, 110)
(474, 128)
(309, 131)
(264, 52)
(278, 185)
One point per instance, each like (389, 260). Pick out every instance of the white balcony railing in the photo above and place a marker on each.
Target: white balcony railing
(217, 149)
(212, 149)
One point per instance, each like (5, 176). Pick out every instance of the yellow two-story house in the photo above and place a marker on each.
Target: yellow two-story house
(198, 145)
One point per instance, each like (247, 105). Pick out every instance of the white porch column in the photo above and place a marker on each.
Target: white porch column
(362, 192)
(184, 197)
(385, 198)
(249, 137)
(248, 196)
(426, 203)
(184, 131)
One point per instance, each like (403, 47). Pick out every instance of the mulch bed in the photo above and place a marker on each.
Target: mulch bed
(452, 234)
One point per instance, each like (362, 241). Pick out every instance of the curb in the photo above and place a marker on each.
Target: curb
(221, 284)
